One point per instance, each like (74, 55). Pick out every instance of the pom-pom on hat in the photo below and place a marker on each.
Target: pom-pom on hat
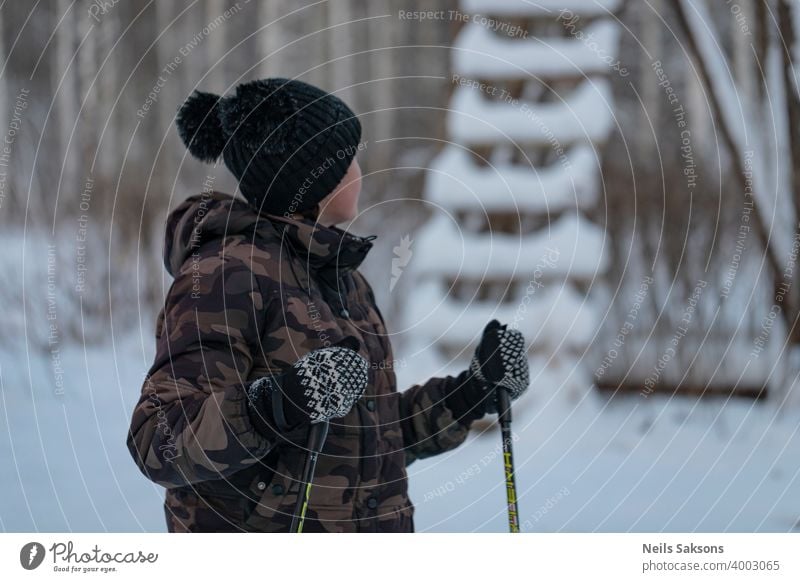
(287, 142)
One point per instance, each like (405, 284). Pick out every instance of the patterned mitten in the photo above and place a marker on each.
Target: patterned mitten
(323, 384)
(500, 359)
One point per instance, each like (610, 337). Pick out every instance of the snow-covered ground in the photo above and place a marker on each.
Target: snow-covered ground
(65, 463)
(636, 464)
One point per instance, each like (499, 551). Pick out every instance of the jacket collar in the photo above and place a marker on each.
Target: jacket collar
(324, 248)
(202, 218)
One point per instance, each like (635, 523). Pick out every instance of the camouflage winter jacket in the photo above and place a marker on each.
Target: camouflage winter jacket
(251, 295)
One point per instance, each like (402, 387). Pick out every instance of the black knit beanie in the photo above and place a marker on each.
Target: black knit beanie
(287, 142)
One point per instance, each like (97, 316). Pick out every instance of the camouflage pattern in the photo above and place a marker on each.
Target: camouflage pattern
(251, 295)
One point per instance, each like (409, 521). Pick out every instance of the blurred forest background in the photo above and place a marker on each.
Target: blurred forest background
(96, 164)
(101, 83)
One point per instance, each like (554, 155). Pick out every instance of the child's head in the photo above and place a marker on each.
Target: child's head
(291, 145)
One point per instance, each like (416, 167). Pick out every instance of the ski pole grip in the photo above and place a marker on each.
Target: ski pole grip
(503, 405)
(317, 436)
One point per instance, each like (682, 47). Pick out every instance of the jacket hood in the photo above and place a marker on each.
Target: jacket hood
(215, 215)
(203, 218)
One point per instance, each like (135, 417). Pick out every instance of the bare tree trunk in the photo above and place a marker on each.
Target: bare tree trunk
(216, 45)
(762, 226)
(743, 61)
(270, 38)
(4, 89)
(318, 45)
(382, 72)
(651, 93)
(110, 156)
(173, 78)
(787, 34)
(340, 45)
(792, 95)
(65, 88)
(89, 119)
(5, 116)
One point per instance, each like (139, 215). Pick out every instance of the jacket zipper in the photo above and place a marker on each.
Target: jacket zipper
(347, 290)
(362, 433)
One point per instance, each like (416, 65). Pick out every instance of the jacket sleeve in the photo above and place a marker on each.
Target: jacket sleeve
(191, 422)
(436, 416)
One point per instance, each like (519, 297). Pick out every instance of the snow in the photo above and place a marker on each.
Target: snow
(583, 116)
(456, 183)
(641, 465)
(539, 7)
(661, 464)
(449, 251)
(67, 465)
(554, 318)
(480, 53)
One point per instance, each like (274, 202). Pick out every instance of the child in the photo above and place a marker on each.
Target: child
(257, 286)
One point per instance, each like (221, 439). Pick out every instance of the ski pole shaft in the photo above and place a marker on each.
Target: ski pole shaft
(504, 408)
(316, 440)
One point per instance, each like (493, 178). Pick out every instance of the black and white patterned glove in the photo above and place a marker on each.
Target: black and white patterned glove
(500, 359)
(322, 385)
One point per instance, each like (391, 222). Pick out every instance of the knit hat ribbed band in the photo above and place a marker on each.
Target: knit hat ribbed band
(287, 142)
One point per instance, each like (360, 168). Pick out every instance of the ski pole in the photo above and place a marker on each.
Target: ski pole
(330, 381)
(504, 408)
(316, 440)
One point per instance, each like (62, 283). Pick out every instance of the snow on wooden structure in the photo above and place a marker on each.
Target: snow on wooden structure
(510, 237)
